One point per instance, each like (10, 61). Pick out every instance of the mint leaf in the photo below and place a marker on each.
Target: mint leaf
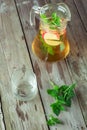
(55, 108)
(50, 50)
(56, 87)
(55, 91)
(44, 18)
(53, 20)
(52, 92)
(53, 121)
(62, 46)
(68, 102)
(62, 95)
(69, 92)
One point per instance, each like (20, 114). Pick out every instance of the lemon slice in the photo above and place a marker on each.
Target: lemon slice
(51, 39)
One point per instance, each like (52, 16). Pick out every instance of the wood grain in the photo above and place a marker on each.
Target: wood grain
(59, 72)
(16, 35)
(77, 60)
(13, 54)
(82, 10)
(2, 125)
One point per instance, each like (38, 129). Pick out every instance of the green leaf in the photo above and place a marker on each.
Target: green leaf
(68, 92)
(56, 108)
(62, 95)
(44, 18)
(53, 121)
(61, 98)
(64, 87)
(62, 46)
(53, 20)
(50, 50)
(72, 86)
(61, 102)
(52, 92)
(68, 103)
(54, 15)
(55, 91)
(56, 87)
(70, 95)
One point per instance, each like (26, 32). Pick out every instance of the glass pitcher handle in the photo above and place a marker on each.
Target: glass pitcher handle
(35, 11)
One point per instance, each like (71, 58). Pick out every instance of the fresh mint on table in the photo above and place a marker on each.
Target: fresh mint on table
(53, 121)
(62, 98)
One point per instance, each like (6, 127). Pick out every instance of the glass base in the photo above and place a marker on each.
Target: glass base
(25, 92)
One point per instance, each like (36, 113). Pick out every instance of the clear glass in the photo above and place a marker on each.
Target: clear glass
(24, 84)
(51, 43)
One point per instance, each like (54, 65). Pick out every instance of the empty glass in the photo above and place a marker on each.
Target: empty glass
(24, 84)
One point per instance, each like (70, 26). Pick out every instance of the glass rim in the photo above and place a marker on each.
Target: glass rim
(20, 69)
(53, 4)
(56, 5)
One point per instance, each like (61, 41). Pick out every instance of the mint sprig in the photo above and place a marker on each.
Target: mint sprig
(62, 98)
(54, 20)
(53, 121)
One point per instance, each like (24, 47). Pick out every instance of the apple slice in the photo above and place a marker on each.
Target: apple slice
(51, 38)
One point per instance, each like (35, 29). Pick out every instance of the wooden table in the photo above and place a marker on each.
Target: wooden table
(16, 37)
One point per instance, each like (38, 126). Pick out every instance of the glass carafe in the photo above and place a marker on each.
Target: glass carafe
(50, 43)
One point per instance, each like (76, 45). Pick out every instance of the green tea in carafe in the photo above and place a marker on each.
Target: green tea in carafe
(50, 43)
(51, 46)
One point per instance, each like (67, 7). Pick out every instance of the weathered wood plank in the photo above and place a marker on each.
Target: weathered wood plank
(58, 72)
(2, 125)
(13, 54)
(85, 5)
(17, 114)
(77, 61)
(82, 10)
